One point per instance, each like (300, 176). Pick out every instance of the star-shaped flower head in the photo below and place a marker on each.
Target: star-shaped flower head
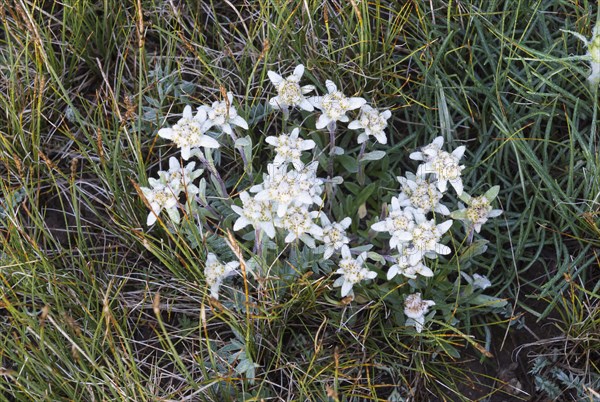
(257, 213)
(160, 196)
(352, 271)
(189, 133)
(289, 148)
(415, 309)
(223, 115)
(445, 168)
(300, 224)
(284, 188)
(404, 267)
(215, 272)
(334, 105)
(372, 122)
(180, 178)
(479, 209)
(334, 234)
(289, 91)
(426, 237)
(420, 194)
(399, 224)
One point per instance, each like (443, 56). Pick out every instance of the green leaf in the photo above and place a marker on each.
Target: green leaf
(488, 301)
(349, 163)
(373, 156)
(476, 248)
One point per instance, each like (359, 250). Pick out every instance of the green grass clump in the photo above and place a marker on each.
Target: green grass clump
(95, 306)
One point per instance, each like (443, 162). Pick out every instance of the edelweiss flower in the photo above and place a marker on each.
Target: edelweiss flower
(399, 224)
(300, 225)
(283, 188)
(223, 114)
(415, 309)
(289, 148)
(160, 197)
(289, 91)
(372, 122)
(479, 209)
(179, 178)
(352, 271)
(334, 235)
(215, 272)
(309, 183)
(256, 213)
(426, 236)
(188, 133)
(421, 195)
(445, 168)
(404, 267)
(334, 105)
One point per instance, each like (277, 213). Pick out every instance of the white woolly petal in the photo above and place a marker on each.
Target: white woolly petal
(355, 125)
(291, 236)
(269, 229)
(151, 219)
(307, 88)
(306, 105)
(494, 213)
(362, 137)
(299, 71)
(379, 226)
(272, 140)
(339, 282)
(444, 226)
(355, 103)
(442, 249)
(208, 142)
(322, 122)
(275, 102)
(459, 152)
(275, 78)
(416, 156)
(371, 275)
(346, 252)
(187, 112)
(425, 271)
(240, 122)
(331, 87)
(458, 186)
(381, 138)
(346, 288)
(392, 272)
(240, 223)
(166, 133)
(307, 144)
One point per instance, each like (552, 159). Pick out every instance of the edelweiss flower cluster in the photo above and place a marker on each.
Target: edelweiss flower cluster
(286, 197)
(288, 204)
(190, 134)
(411, 220)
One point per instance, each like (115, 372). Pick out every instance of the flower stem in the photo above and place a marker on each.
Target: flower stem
(361, 166)
(331, 127)
(209, 164)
